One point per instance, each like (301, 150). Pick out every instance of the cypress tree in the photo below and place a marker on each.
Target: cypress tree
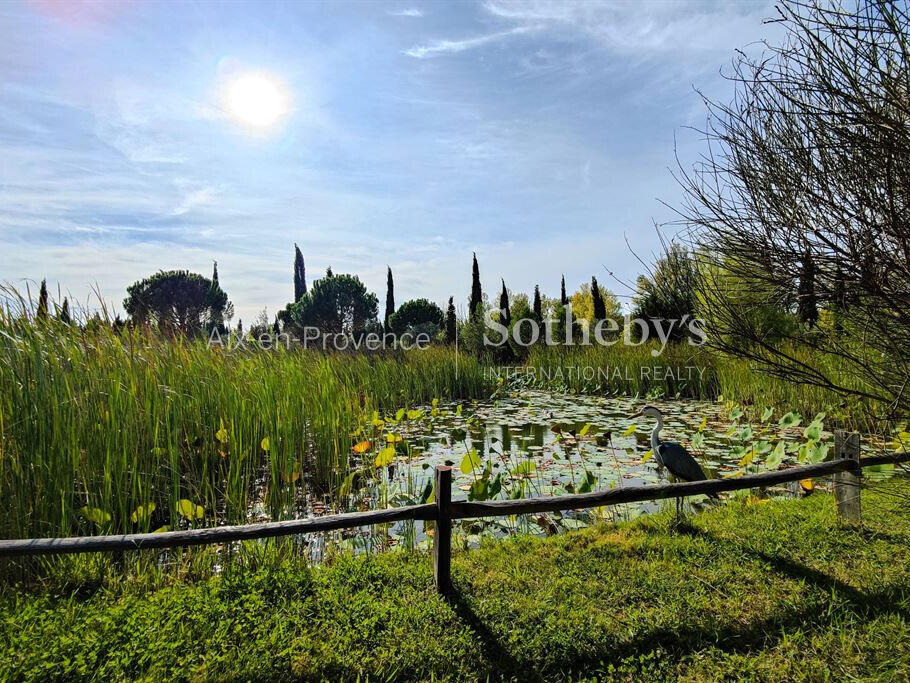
(476, 294)
(299, 274)
(450, 322)
(42, 301)
(807, 306)
(563, 299)
(538, 308)
(600, 309)
(505, 315)
(389, 299)
(65, 312)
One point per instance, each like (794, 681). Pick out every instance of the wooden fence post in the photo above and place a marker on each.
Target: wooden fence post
(442, 538)
(847, 484)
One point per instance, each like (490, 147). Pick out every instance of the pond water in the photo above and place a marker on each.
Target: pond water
(536, 443)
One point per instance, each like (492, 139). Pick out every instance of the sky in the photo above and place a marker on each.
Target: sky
(539, 134)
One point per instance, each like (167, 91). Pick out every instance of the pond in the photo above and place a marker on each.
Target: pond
(536, 443)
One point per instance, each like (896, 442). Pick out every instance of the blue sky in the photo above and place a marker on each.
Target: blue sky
(538, 134)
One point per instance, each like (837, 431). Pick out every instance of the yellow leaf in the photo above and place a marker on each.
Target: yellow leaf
(143, 512)
(704, 423)
(361, 447)
(265, 443)
(647, 455)
(291, 477)
(386, 456)
(755, 500)
(391, 437)
(807, 485)
(161, 529)
(222, 434)
(747, 458)
(188, 509)
(630, 430)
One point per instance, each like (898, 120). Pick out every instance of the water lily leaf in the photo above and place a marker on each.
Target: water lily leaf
(526, 467)
(813, 431)
(745, 434)
(96, 515)
(747, 459)
(142, 513)
(470, 462)
(767, 414)
(385, 457)
(265, 444)
(361, 447)
(458, 434)
(789, 420)
(776, 457)
(189, 510)
(736, 413)
(399, 414)
(415, 414)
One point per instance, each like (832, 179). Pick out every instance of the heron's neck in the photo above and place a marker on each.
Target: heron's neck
(655, 434)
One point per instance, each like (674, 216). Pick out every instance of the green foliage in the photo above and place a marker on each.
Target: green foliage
(299, 274)
(451, 322)
(669, 292)
(335, 304)
(176, 301)
(389, 300)
(416, 316)
(41, 313)
(475, 310)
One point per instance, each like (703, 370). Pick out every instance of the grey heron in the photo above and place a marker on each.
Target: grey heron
(672, 455)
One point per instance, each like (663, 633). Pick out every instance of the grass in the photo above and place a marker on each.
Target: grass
(778, 591)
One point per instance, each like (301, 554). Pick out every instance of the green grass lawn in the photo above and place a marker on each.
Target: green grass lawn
(777, 591)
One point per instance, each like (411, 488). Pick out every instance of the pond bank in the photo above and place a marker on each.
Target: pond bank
(767, 591)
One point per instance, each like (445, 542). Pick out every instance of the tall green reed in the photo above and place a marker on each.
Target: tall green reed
(109, 432)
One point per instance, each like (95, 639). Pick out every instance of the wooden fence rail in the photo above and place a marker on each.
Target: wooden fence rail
(847, 469)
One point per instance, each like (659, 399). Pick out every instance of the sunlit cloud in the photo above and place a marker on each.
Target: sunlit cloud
(410, 12)
(443, 47)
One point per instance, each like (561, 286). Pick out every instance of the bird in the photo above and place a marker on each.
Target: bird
(672, 455)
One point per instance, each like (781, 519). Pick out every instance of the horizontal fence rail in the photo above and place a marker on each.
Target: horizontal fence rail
(847, 469)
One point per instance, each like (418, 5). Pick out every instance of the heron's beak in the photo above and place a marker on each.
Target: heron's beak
(638, 414)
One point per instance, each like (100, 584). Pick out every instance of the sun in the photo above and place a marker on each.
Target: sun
(256, 100)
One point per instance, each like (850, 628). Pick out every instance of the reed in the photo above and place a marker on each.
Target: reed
(106, 432)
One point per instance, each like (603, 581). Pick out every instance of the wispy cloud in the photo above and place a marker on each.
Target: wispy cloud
(410, 12)
(636, 26)
(446, 47)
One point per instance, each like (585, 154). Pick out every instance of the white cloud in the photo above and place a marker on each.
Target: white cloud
(410, 12)
(443, 47)
(193, 199)
(642, 26)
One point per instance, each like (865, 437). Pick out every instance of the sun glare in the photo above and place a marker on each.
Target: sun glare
(256, 100)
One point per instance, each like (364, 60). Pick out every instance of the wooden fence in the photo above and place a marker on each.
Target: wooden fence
(846, 467)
